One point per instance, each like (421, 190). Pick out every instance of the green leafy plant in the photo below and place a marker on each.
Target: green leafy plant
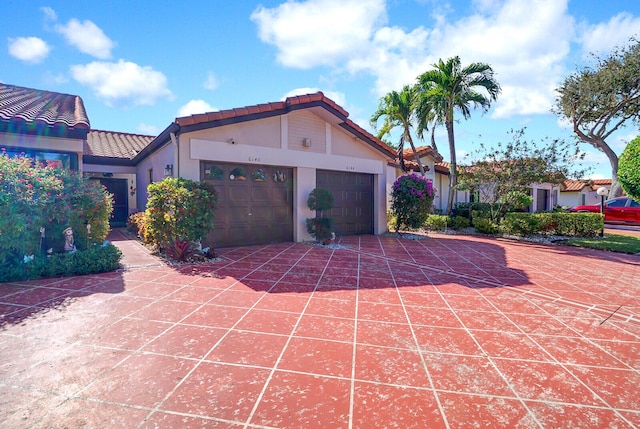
(320, 200)
(179, 209)
(552, 223)
(436, 222)
(411, 200)
(629, 169)
(136, 223)
(485, 225)
(459, 222)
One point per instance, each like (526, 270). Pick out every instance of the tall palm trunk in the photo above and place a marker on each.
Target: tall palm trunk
(453, 174)
(415, 154)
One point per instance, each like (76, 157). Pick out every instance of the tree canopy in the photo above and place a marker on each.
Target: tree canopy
(398, 110)
(629, 172)
(503, 174)
(450, 87)
(599, 100)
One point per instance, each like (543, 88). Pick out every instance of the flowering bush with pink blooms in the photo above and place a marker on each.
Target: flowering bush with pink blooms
(411, 200)
(39, 201)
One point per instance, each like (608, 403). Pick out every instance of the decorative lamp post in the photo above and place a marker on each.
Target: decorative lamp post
(603, 192)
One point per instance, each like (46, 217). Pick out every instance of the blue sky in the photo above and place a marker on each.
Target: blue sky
(138, 64)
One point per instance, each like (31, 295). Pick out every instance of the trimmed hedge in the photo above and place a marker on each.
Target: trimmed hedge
(572, 224)
(94, 259)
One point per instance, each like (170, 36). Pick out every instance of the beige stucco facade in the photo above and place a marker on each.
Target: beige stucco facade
(305, 140)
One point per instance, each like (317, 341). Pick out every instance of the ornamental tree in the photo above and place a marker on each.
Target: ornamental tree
(411, 199)
(629, 169)
(502, 175)
(601, 99)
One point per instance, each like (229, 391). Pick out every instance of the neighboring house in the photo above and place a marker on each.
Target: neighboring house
(437, 170)
(47, 126)
(264, 160)
(581, 192)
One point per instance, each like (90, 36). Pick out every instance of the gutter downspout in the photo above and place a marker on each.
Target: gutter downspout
(176, 152)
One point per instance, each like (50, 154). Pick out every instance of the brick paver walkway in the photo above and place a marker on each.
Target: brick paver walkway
(449, 331)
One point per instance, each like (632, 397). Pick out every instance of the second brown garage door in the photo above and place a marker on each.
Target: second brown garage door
(255, 203)
(353, 192)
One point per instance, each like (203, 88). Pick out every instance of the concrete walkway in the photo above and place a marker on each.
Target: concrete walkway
(444, 332)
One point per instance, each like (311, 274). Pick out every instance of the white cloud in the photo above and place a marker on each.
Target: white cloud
(318, 32)
(211, 83)
(195, 106)
(123, 82)
(336, 96)
(149, 130)
(87, 37)
(525, 41)
(602, 37)
(28, 49)
(49, 13)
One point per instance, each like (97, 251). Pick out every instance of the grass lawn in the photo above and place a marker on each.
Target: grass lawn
(612, 242)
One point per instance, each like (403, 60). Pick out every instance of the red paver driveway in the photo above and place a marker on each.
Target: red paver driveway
(448, 331)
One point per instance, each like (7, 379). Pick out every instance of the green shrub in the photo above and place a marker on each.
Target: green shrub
(436, 222)
(179, 209)
(629, 169)
(552, 223)
(411, 199)
(459, 222)
(37, 199)
(94, 259)
(484, 225)
(136, 223)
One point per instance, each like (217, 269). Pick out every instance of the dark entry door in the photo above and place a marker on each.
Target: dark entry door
(117, 187)
(542, 203)
(352, 213)
(255, 203)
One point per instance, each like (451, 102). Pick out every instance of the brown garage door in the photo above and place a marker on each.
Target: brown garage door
(353, 192)
(255, 203)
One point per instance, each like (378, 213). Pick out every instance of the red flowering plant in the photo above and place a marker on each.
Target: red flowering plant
(39, 201)
(411, 199)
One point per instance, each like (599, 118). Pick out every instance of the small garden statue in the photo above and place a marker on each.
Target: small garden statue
(68, 240)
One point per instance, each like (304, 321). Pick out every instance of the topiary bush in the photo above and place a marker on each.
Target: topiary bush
(39, 201)
(411, 200)
(629, 169)
(179, 209)
(320, 200)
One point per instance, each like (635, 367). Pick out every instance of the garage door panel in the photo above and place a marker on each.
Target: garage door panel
(353, 193)
(256, 210)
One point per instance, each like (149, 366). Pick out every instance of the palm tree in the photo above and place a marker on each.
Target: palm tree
(398, 109)
(449, 87)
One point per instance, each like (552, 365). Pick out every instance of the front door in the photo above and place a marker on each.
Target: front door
(117, 187)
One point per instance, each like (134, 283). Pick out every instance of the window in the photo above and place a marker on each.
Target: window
(66, 160)
(617, 202)
(151, 175)
(634, 203)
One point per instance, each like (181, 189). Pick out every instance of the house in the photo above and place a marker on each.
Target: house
(545, 195)
(264, 160)
(581, 192)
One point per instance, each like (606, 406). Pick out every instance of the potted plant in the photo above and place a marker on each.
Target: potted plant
(320, 200)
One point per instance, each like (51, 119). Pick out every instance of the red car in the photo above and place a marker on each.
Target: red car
(616, 210)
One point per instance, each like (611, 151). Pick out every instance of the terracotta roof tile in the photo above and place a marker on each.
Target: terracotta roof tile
(443, 167)
(299, 101)
(111, 144)
(33, 106)
(578, 185)
(422, 151)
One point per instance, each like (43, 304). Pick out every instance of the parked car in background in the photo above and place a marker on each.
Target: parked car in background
(616, 210)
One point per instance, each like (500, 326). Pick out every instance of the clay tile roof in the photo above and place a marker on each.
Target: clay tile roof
(280, 107)
(573, 185)
(443, 167)
(422, 151)
(29, 107)
(115, 145)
